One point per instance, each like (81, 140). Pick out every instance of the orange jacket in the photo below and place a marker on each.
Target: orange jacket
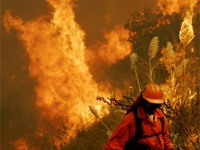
(126, 130)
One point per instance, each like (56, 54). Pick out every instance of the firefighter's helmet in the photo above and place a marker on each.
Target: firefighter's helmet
(153, 93)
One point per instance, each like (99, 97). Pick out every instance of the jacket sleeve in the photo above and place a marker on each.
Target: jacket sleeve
(167, 141)
(124, 131)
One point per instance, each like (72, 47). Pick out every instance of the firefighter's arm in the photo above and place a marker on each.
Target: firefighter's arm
(124, 131)
(167, 141)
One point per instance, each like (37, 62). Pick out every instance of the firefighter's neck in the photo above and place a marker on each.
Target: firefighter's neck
(153, 118)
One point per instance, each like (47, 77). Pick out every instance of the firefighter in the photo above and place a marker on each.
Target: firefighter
(144, 127)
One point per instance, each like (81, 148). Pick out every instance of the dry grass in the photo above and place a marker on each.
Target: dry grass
(96, 137)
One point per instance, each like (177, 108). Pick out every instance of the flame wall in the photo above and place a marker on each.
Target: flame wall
(64, 86)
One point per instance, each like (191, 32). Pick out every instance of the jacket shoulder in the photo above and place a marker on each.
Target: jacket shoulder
(160, 113)
(129, 117)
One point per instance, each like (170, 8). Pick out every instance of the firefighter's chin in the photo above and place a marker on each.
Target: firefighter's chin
(150, 112)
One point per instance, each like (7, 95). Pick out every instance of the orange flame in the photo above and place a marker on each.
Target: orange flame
(65, 87)
(20, 144)
(115, 48)
(170, 6)
(186, 33)
(176, 63)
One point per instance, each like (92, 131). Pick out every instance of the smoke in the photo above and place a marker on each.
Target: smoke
(97, 16)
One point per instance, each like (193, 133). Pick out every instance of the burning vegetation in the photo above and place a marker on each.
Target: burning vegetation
(63, 69)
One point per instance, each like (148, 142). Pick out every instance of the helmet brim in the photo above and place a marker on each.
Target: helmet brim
(154, 101)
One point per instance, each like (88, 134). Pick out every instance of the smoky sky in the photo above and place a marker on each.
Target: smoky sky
(100, 15)
(18, 110)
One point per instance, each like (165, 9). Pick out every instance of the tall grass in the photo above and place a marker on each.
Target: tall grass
(181, 88)
(96, 137)
(153, 49)
(146, 67)
(180, 91)
(133, 58)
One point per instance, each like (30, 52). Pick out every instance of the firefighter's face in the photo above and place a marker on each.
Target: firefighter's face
(150, 108)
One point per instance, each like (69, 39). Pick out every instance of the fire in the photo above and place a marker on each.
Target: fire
(115, 48)
(175, 62)
(186, 33)
(179, 87)
(170, 6)
(20, 144)
(65, 87)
